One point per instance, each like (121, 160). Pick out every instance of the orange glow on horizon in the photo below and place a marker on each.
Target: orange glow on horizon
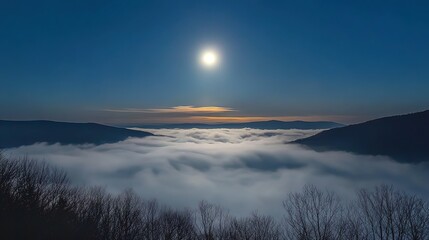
(177, 109)
(192, 109)
(234, 119)
(210, 114)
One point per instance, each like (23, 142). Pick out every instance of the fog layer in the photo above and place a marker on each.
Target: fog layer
(240, 169)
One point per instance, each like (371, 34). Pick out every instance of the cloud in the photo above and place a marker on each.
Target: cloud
(202, 114)
(178, 109)
(241, 169)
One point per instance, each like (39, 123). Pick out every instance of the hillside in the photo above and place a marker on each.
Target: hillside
(404, 138)
(18, 133)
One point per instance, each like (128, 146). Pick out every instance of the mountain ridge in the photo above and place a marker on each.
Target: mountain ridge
(268, 125)
(403, 137)
(20, 133)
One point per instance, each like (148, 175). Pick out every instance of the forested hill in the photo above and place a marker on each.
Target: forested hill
(18, 133)
(403, 137)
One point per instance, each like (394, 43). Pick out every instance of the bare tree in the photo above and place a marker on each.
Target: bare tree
(211, 221)
(127, 216)
(240, 228)
(151, 222)
(264, 227)
(38, 202)
(255, 227)
(177, 225)
(313, 215)
(390, 214)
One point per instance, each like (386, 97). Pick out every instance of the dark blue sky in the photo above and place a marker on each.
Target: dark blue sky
(133, 61)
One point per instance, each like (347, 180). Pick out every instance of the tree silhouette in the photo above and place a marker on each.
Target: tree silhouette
(37, 201)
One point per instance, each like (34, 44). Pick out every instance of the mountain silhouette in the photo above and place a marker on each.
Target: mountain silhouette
(405, 138)
(19, 133)
(273, 124)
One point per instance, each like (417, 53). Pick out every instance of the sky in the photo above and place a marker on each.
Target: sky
(121, 62)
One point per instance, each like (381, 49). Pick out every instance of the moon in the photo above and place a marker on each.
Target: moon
(209, 58)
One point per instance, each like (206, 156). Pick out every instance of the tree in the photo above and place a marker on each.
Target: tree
(313, 215)
(391, 214)
(211, 221)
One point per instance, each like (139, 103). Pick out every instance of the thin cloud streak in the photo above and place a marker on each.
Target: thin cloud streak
(177, 109)
(206, 114)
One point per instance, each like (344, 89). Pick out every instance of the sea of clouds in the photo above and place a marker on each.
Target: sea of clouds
(240, 169)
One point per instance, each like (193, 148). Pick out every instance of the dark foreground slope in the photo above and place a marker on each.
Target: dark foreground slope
(38, 202)
(404, 138)
(18, 133)
(273, 124)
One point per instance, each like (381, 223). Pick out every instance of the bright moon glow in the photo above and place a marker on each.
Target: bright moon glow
(209, 58)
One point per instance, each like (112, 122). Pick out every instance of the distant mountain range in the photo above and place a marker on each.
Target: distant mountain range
(256, 125)
(18, 133)
(405, 138)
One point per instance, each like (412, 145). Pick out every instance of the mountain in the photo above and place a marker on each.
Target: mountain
(404, 138)
(257, 125)
(18, 133)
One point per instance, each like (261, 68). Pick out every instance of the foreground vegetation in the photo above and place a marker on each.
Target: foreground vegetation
(38, 202)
